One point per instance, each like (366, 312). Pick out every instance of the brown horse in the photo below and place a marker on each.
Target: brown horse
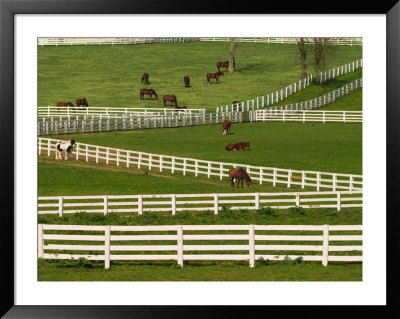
(226, 126)
(245, 144)
(145, 78)
(186, 79)
(234, 147)
(149, 92)
(215, 76)
(65, 104)
(82, 102)
(170, 98)
(239, 174)
(223, 64)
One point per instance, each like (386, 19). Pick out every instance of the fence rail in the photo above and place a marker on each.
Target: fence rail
(324, 243)
(333, 41)
(173, 164)
(173, 203)
(340, 70)
(309, 116)
(105, 41)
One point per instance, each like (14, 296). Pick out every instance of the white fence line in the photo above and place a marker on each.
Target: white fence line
(276, 176)
(91, 124)
(333, 41)
(237, 242)
(173, 203)
(309, 116)
(106, 41)
(340, 70)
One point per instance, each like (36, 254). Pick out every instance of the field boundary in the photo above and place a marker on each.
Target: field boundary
(105, 41)
(308, 116)
(334, 41)
(237, 242)
(174, 164)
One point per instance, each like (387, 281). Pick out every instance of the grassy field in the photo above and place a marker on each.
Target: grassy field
(351, 102)
(110, 75)
(329, 147)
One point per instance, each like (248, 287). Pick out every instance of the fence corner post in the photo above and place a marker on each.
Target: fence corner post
(107, 244)
(325, 245)
(40, 241)
(180, 245)
(251, 246)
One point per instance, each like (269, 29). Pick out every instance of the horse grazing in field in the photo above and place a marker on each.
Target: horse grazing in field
(170, 98)
(245, 144)
(223, 64)
(215, 76)
(65, 104)
(186, 79)
(226, 127)
(66, 147)
(149, 92)
(239, 174)
(145, 78)
(82, 102)
(234, 147)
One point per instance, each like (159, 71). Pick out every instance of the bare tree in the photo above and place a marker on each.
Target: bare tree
(322, 49)
(301, 43)
(231, 50)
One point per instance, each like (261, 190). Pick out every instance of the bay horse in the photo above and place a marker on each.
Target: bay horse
(186, 79)
(226, 126)
(65, 104)
(145, 78)
(234, 147)
(215, 76)
(245, 144)
(239, 174)
(149, 92)
(223, 64)
(170, 98)
(82, 102)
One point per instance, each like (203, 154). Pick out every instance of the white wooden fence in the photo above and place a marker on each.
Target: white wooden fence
(333, 41)
(340, 70)
(85, 124)
(111, 112)
(185, 242)
(106, 41)
(173, 203)
(269, 99)
(309, 116)
(173, 164)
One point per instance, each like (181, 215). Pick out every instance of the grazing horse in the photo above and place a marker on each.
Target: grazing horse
(149, 92)
(226, 126)
(186, 79)
(145, 78)
(223, 64)
(170, 98)
(239, 174)
(214, 76)
(66, 147)
(82, 102)
(234, 147)
(65, 104)
(245, 144)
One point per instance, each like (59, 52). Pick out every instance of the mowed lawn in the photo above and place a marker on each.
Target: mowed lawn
(110, 75)
(327, 147)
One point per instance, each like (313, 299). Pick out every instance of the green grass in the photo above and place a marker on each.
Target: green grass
(110, 75)
(329, 147)
(350, 102)
(49, 270)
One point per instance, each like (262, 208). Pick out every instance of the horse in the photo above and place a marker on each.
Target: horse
(223, 64)
(234, 147)
(66, 147)
(239, 174)
(226, 126)
(214, 76)
(170, 98)
(145, 78)
(149, 92)
(245, 144)
(186, 79)
(82, 102)
(65, 104)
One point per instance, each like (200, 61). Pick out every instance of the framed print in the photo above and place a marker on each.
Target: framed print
(267, 186)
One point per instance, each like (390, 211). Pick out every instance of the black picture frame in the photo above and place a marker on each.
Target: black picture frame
(8, 8)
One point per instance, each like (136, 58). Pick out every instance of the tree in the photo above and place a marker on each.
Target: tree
(231, 50)
(301, 43)
(322, 49)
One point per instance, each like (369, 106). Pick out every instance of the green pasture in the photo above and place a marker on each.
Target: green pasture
(328, 147)
(350, 102)
(110, 75)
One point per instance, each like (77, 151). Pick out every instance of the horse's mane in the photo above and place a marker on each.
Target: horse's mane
(246, 175)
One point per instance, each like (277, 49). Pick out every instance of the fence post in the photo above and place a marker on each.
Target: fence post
(179, 233)
(60, 206)
(106, 155)
(150, 161)
(118, 157)
(318, 181)
(107, 244)
(87, 153)
(140, 204)
(184, 167)
(40, 241)
(105, 200)
(128, 157)
(257, 201)
(97, 154)
(251, 246)
(289, 178)
(298, 199)
(325, 245)
(215, 204)
(334, 182)
(196, 168)
(208, 169)
(261, 176)
(220, 171)
(274, 178)
(339, 199)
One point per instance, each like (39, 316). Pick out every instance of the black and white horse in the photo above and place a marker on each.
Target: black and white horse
(66, 147)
